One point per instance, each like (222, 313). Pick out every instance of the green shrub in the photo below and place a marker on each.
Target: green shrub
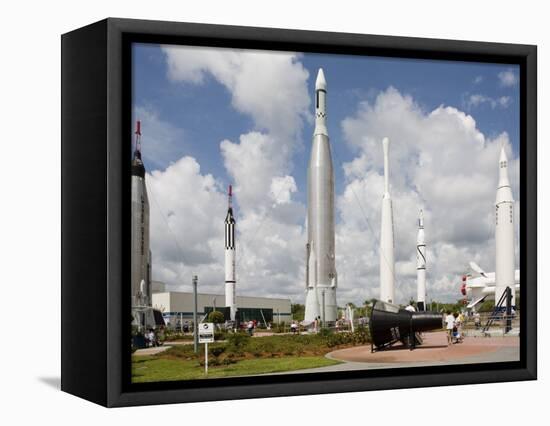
(216, 317)
(212, 362)
(360, 336)
(217, 350)
(236, 342)
(325, 332)
(220, 335)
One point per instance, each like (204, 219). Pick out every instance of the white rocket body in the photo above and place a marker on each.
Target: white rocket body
(504, 232)
(421, 265)
(321, 276)
(230, 276)
(387, 264)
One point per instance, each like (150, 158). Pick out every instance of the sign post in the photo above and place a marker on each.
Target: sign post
(206, 336)
(206, 358)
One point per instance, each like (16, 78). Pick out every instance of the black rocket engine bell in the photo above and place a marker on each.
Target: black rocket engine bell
(389, 324)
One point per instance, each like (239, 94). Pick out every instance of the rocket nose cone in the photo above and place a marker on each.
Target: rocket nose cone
(320, 83)
(386, 146)
(502, 155)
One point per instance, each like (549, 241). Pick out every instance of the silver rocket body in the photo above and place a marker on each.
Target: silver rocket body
(387, 263)
(504, 232)
(230, 247)
(321, 276)
(421, 265)
(140, 249)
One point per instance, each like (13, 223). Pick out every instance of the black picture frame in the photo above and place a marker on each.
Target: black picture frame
(96, 116)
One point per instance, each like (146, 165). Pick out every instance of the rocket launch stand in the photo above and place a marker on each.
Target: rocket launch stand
(501, 312)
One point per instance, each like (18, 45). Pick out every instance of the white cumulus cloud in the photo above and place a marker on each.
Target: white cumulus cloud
(186, 238)
(270, 88)
(439, 161)
(508, 78)
(477, 99)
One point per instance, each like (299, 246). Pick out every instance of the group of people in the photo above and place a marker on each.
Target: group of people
(454, 322)
(153, 338)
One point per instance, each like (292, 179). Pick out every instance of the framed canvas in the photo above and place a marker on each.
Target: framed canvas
(257, 212)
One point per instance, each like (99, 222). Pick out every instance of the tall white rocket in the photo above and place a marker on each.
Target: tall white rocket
(321, 276)
(387, 267)
(421, 265)
(504, 232)
(230, 277)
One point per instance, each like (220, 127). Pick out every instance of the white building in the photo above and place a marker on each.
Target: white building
(178, 306)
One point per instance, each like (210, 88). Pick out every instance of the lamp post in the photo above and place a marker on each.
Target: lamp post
(323, 293)
(195, 325)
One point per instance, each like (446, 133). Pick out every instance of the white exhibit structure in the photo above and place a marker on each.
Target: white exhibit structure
(421, 265)
(321, 276)
(504, 232)
(230, 276)
(387, 266)
(479, 285)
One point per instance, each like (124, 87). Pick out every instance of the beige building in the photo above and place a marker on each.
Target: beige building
(178, 306)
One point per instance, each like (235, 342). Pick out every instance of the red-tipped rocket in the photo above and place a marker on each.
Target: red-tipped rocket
(230, 276)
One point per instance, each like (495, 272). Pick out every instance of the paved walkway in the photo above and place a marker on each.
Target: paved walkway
(434, 351)
(152, 351)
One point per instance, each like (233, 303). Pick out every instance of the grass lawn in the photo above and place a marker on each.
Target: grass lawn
(155, 369)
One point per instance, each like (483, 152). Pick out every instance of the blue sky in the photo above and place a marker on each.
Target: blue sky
(201, 106)
(206, 114)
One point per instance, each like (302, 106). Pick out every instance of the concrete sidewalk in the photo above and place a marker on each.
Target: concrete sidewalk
(434, 351)
(152, 351)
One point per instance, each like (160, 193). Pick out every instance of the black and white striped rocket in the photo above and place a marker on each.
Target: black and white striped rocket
(230, 277)
(421, 265)
(321, 276)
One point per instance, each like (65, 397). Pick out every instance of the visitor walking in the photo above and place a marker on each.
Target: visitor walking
(477, 320)
(450, 323)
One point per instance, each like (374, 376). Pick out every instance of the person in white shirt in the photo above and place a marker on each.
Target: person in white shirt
(293, 327)
(450, 321)
(477, 320)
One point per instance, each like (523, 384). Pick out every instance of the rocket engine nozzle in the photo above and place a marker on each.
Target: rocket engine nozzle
(389, 323)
